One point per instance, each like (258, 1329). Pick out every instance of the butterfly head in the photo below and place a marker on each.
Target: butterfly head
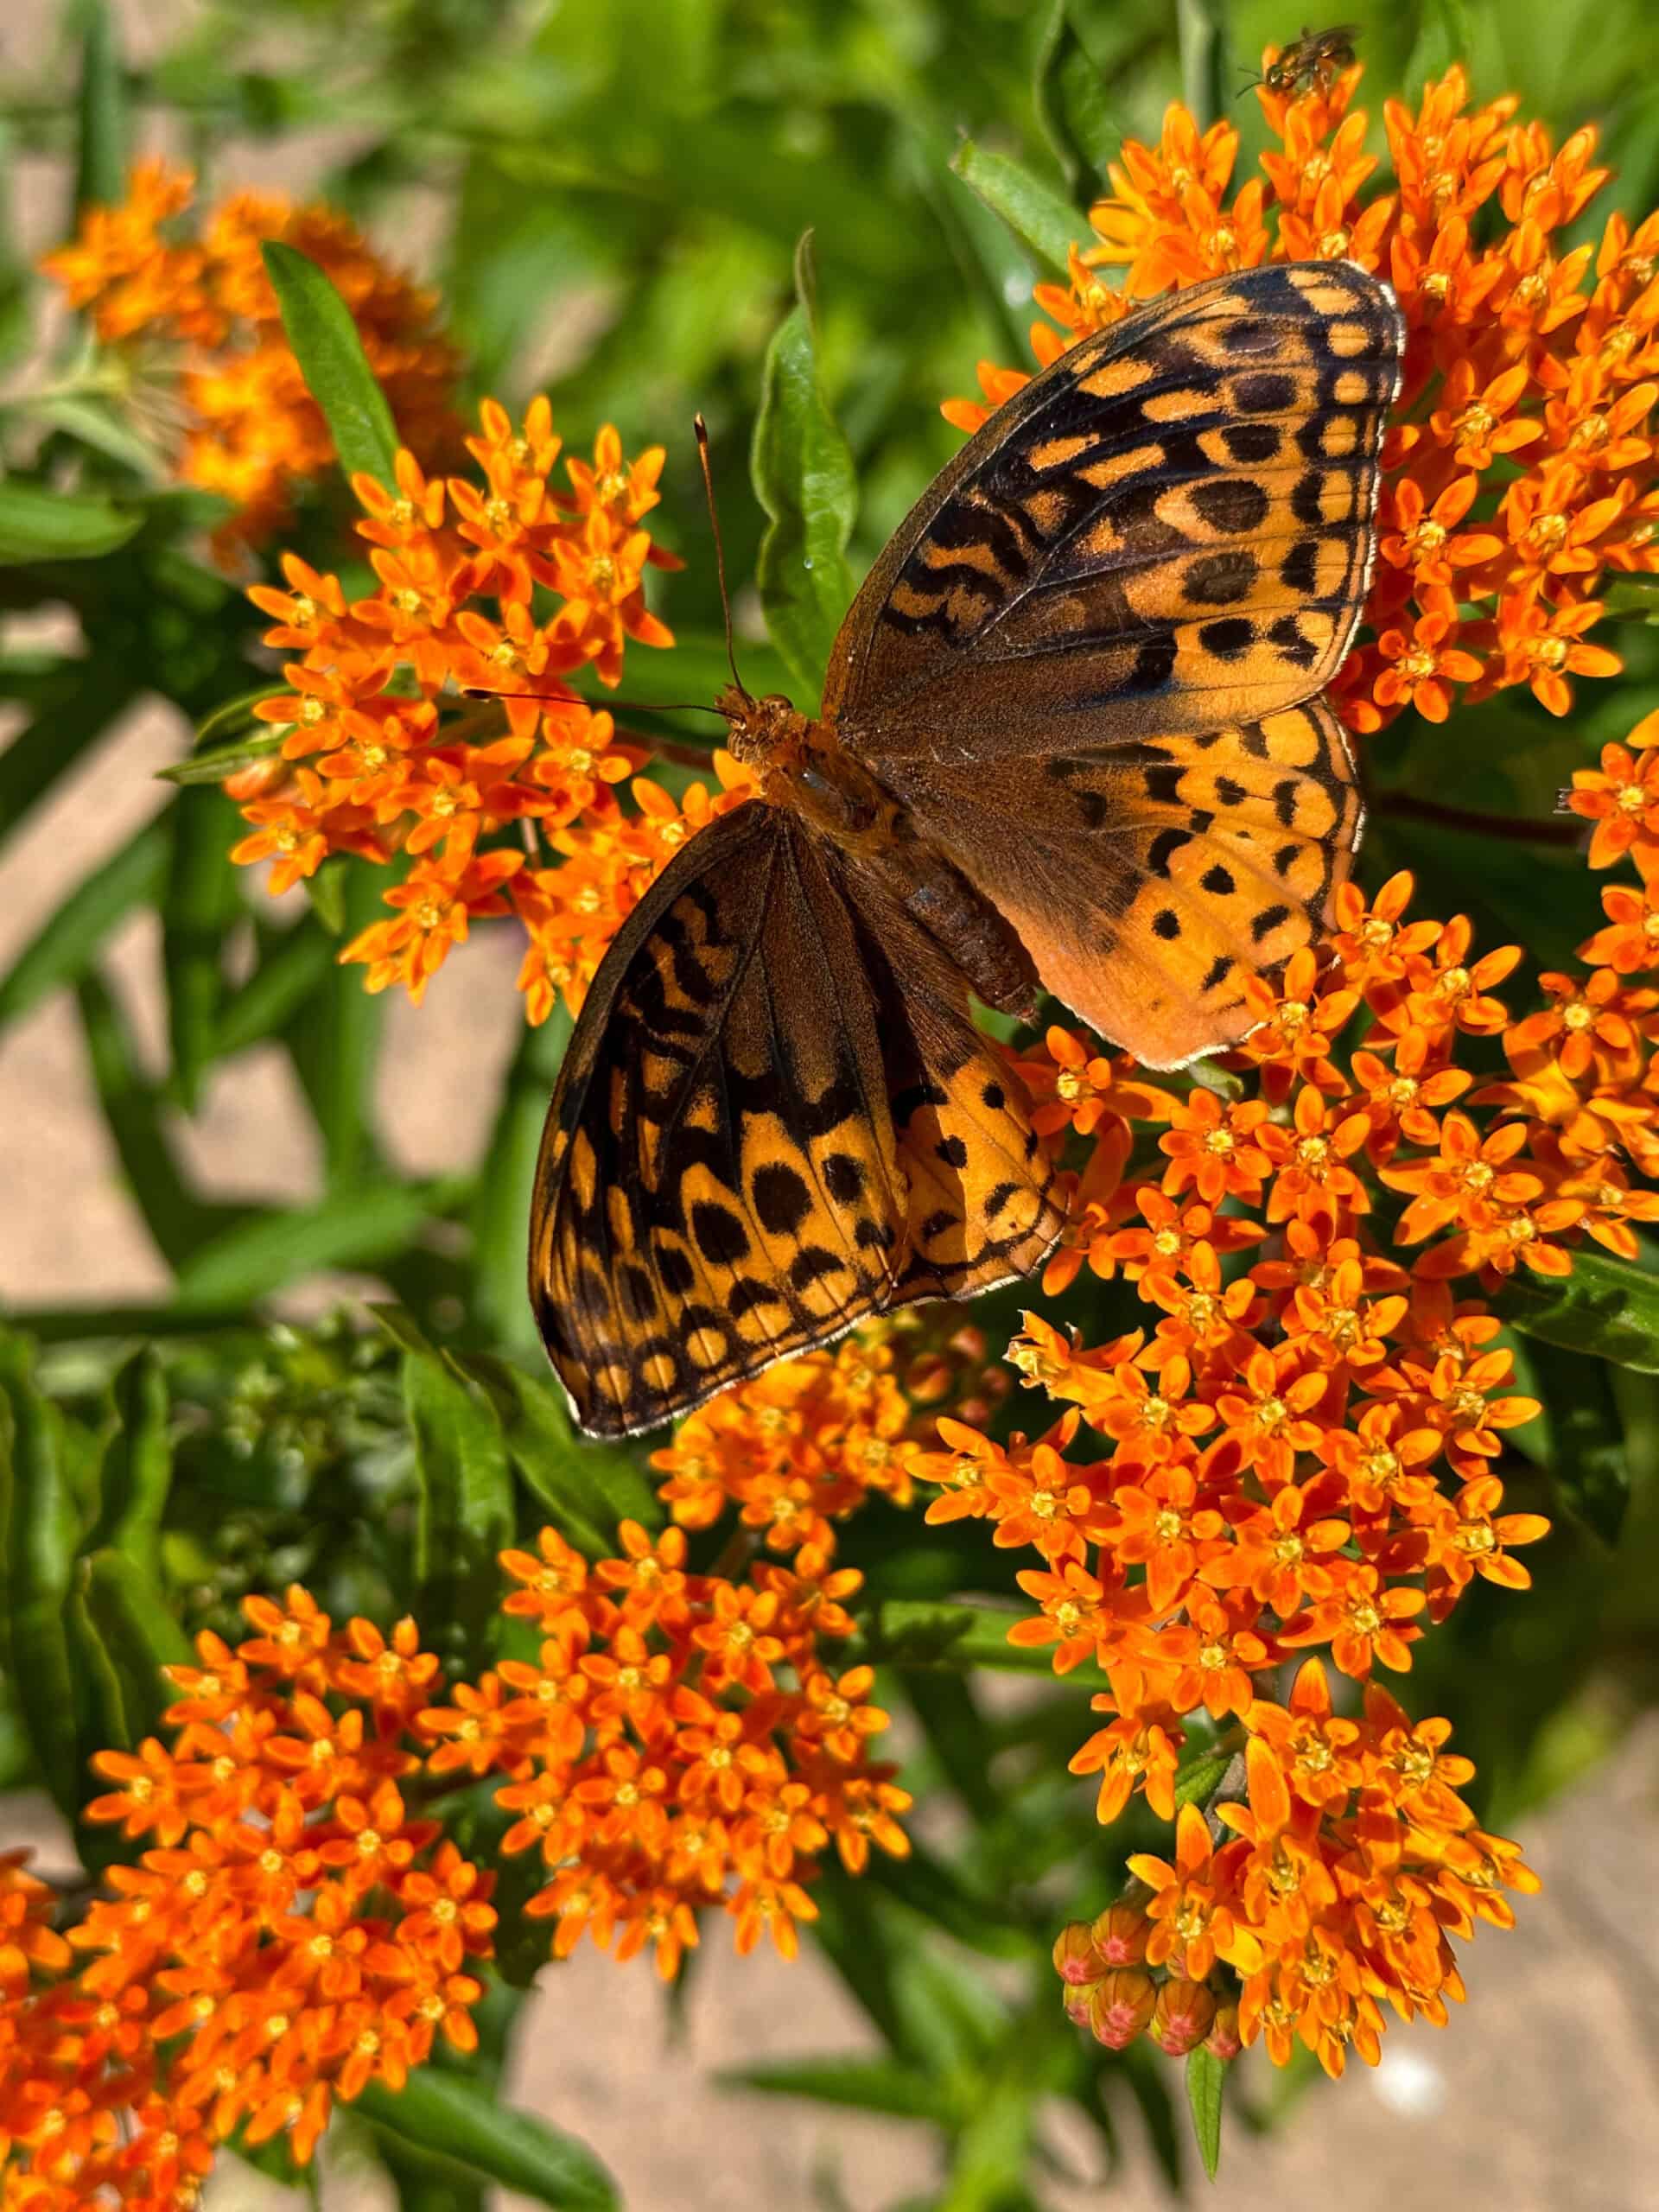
(762, 732)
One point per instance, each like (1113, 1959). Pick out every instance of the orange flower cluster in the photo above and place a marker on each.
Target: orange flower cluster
(381, 755)
(680, 1744)
(807, 1442)
(293, 1933)
(1302, 1436)
(1522, 465)
(196, 317)
(1347, 1872)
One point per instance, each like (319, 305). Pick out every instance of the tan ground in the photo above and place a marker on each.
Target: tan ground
(1542, 2097)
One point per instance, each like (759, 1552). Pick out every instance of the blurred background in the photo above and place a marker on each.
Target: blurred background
(606, 195)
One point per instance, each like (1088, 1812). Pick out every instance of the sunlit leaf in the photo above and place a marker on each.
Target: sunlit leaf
(330, 353)
(1205, 2073)
(1033, 210)
(464, 2124)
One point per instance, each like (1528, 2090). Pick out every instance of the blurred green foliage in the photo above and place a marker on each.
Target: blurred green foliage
(615, 190)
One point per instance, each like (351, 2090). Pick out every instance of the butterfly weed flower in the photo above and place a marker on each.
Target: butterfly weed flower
(189, 326)
(531, 805)
(295, 1930)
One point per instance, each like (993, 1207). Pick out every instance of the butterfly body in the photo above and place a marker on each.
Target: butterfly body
(1072, 732)
(804, 768)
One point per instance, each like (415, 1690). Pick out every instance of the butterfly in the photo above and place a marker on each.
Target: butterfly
(1315, 58)
(1072, 738)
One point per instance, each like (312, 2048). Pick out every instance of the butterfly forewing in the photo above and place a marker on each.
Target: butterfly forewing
(767, 1128)
(1171, 525)
(1088, 663)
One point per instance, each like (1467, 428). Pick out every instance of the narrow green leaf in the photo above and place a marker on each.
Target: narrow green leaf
(65, 947)
(1587, 1458)
(219, 761)
(37, 524)
(464, 1487)
(803, 479)
(1199, 27)
(101, 148)
(464, 2124)
(326, 892)
(173, 1216)
(1203, 2091)
(94, 423)
(504, 1191)
(295, 964)
(122, 1633)
(335, 1041)
(337, 374)
(1200, 1777)
(1606, 1306)
(864, 2084)
(1033, 210)
(929, 1886)
(232, 716)
(355, 1228)
(39, 1525)
(587, 1486)
(201, 901)
(1073, 105)
(71, 712)
(137, 1468)
(919, 1632)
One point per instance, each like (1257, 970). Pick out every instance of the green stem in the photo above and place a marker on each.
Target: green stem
(1407, 806)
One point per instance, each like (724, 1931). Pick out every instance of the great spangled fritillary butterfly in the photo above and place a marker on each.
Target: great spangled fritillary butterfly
(1071, 738)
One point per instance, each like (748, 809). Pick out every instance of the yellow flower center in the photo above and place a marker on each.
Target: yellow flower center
(469, 1731)
(1202, 1309)
(1167, 1242)
(408, 600)
(1068, 1617)
(368, 1843)
(1545, 534)
(1156, 1412)
(1314, 1153)
(402, 512)
(1381, 1467)
(1476, 1538)
(1220, 1141)
(1478, 1177)
(1454, 983)
(1342, 1325)
(1364, 1616)
(431, 2008)
(1403, 1092)
(627, 1793)
(1293, 1015)
(498, 514)
(1315, 1755)
(445, 1911)
(601, 572)
(580, 760)
(431, 913)
(1334, 245)
(1418, 664)
(1476, 423)
(1069, 1085)
(194, 1883)
(837, 1710)
(1287, 1552)
(1522, 1229)
(1212, 1657)
(1632, 799)
(304, 612)
(140, 1790)
(1590, 433)
(613, 485)
(1168, 1526)
(321, 1947)
(1550, 653)
(1271, 1413)
(1575, 1014)
(1429, 536)
(312, 710)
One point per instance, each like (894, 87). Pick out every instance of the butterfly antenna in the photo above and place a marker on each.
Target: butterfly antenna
(606, 706)
(701, 429)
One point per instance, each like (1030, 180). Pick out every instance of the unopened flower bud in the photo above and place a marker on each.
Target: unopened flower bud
(1182, 2016)
(1224, 2039)
(1120, 2006)
(1120, 1936)
(1074, 1999)
(1074, 1953)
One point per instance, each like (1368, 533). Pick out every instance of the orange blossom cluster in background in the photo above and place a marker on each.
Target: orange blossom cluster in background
(193, 319)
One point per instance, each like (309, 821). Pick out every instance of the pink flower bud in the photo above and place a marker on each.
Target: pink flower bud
(1181, 2017)
(1120, 2005)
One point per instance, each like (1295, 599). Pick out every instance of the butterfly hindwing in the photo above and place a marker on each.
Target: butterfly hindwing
(1171, 525)
(772, 1122)
(1155, 877)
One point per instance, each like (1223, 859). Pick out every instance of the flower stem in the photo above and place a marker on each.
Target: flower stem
(1520, 828)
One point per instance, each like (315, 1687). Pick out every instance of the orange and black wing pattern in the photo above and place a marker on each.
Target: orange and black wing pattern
(1088, 663)
(765, 1130)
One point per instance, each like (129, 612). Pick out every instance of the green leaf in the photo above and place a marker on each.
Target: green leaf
(1203, 2089)
(101, 148)
(1587, 1458)
(38, 523)
(326, 891)
(201, 901)
(123, 1635)
(335, 1042)
(502, 1211)
(1200, 1777)
(587, 1486)
(354, 1228)
(137, 1467)
(464, 2124)
(464, 1488)
(65, 947)
(865, 2084)
(1606, 1306)
(336, 371)
(919, 1632)
(1036, 214)
(1203, 59)
(40, 1524)
(1072, 104)
(803, 479)
(132, 1110)
(73, 711)
(219, 761)
(295, 964)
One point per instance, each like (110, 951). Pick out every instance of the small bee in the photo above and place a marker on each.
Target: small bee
(1314, 60)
